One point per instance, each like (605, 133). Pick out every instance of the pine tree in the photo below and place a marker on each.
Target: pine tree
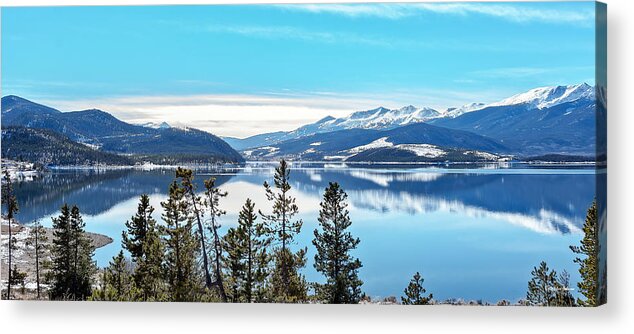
(72, 253)
(233, 265)
(149, 271)
(247, 259)
(17, 277)
(137, 226)
(120, 274)
(542, 287)
(589, 266)
(415, 293)
(11, 205)
(563, 296)
(288, 285)
(334, 245)
(180, 245)
(84, 266)
(143, 240)
(61, 255)
(212, 202)
(187, 183)
(38, 239)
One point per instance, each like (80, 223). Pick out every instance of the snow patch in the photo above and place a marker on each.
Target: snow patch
(422, 150)
(381, 142)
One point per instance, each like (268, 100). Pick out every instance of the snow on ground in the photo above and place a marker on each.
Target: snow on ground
(422, 150)
(315, 143)
(381, 142)
(20, 242)
(22, 171)
(484, 155)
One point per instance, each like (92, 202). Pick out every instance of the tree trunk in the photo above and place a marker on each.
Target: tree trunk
(37, 260)
(10, 246)
(218, 270)
(203, 247)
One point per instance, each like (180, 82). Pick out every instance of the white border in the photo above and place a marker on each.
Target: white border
(616, 317)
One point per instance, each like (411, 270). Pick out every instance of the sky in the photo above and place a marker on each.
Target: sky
(240, 70)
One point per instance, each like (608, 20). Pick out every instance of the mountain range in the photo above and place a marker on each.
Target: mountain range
(103, 132)
(546, 121)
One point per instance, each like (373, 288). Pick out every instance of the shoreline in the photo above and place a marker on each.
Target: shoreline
(22, 255)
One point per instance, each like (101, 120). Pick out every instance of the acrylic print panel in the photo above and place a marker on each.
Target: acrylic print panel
(420, 153)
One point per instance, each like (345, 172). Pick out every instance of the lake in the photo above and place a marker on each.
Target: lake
(473, 231)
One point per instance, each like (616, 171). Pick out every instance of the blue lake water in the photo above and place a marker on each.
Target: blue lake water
(474, 232)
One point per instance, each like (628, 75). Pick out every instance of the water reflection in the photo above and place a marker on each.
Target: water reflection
(475, 232)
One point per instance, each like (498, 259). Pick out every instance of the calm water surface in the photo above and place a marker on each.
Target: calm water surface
(474, 232)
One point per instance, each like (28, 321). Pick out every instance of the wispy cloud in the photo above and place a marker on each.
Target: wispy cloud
(509, 12)
(294, 33)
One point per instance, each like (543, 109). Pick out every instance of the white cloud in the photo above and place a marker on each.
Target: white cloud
(507, 12)
(243, 115)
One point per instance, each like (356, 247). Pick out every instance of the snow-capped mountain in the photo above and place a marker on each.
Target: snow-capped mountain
(380, 118)
(559, 119)
(545, 97)
(455, 112)
(562, 110)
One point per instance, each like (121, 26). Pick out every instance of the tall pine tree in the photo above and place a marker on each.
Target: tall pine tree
(542, 287)
(143, 240)
(38, 241)
(181, 247)
(287, 284)
(415, 292)
(589, 266)
(194, 201)
(247, 259)
(72, 253)
(11, 208)
(334, 244)
(212, 202)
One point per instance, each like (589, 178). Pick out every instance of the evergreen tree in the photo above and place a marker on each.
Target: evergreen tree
(233, 265)
(589, 266)
(61, 255)
(212, 202)
(247, 259)
(17, 277)
(143, 240)
(180, 246)
(288, 285)
(120, 274)
(542, 287)
(38, 239)
(334, 245)
(137, 226)
(415, 293)
(11, 208)
(149, 271)
(187, 183)
(72, 253)
(84, 266)
(563, 296)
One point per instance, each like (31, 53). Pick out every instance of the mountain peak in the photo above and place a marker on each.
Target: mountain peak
(14, 102)
(544, 97)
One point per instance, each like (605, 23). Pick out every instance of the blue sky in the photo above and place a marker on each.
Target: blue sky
(247, 69)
